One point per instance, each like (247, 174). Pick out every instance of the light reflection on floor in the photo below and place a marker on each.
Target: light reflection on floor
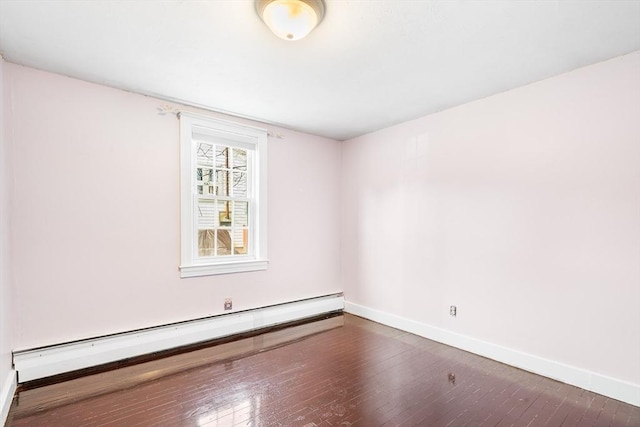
(246, 411)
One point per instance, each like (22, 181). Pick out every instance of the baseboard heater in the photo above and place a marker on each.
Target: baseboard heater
(52, 360)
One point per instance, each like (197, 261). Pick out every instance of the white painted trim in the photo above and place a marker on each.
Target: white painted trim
(226, 268)
(612, 387)
(8, 390)
(57, 359)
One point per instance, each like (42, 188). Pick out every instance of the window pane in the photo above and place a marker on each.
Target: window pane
(224, 242)
(205, 153)
(239, 159)
(240, 241)
(206, 214)
(205, 242)
(222, 182)
(224, 213)
(222, 156)
(206, 222)
(240, 214)
(204, 180)
(239, 184)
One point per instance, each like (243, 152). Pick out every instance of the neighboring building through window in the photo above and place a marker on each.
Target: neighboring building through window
(223, 194)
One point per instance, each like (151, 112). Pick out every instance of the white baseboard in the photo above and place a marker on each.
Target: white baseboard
(598, 383)
(57, 359)
(8, 390)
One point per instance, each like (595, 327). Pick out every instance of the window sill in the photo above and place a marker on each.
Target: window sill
(222, 268)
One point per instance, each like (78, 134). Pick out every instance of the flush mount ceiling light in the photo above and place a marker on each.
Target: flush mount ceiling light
(290, 19)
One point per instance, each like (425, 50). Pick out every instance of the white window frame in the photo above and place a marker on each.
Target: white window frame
(192, 128)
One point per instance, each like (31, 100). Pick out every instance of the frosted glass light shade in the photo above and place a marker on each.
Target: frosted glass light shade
(291, 19)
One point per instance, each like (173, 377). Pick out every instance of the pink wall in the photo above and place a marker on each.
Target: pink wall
(6, 289)
(96, 215)
(523, 209)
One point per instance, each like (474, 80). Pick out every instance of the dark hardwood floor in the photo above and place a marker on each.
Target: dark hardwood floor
(342, 371)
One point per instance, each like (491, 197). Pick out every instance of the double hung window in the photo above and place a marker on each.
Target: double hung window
(223, 193)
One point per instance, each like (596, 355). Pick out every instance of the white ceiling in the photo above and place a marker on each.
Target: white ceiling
(370, 63)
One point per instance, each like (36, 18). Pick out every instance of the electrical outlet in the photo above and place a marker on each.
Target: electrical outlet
(228, 304)
(453, 310)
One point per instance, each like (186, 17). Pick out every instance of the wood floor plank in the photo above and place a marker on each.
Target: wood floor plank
(343, 371)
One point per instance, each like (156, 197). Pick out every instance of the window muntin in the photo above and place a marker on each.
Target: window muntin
(223, 196)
